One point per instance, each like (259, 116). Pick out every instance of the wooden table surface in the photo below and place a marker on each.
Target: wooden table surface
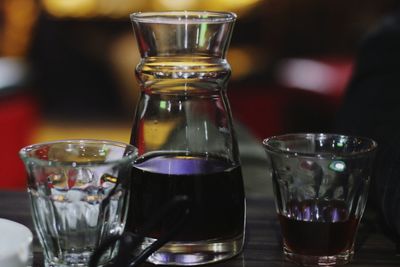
(263, 245)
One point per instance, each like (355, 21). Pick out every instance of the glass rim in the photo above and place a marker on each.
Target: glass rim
(24, 153)
(184, 17)
(318, 136)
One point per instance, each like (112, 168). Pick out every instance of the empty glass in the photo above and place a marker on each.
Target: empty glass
(320, 184)
(79, 195)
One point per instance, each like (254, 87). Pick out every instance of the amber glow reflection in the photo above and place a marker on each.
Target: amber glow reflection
(73, 8)
(18, 18)
(122, 8)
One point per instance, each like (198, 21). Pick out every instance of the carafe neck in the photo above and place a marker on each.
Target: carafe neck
(187, 73)
(175, 34)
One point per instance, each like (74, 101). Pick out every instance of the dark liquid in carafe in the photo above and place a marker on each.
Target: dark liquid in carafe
(332, 233)
(214, 186)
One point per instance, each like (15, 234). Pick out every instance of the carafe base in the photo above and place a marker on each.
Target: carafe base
(195, 253)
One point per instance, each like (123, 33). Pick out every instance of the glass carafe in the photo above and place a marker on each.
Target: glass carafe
(185, 137)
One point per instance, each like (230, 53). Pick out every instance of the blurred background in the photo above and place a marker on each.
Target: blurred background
(67, 67)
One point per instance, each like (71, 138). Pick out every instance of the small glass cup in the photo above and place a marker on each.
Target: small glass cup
(79, 193)
(320, 184)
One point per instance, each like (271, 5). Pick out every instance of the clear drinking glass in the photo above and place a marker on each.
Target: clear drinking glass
(184, 134)
(79, 196)
(321, 185)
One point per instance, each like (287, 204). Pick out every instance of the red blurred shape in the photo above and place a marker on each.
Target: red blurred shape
(18, 119)
(305, 97)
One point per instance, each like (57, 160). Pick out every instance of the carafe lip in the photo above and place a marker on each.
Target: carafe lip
(184, 17)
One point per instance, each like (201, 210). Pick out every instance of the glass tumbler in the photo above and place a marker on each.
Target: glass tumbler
(321, 184)
(185, 137)
(79, 193)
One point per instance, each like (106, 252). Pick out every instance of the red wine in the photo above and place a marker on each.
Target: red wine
(214, 186)
(330, 232)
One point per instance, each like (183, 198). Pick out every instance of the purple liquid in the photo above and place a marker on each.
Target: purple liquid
(214, 186)
(320, 228)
